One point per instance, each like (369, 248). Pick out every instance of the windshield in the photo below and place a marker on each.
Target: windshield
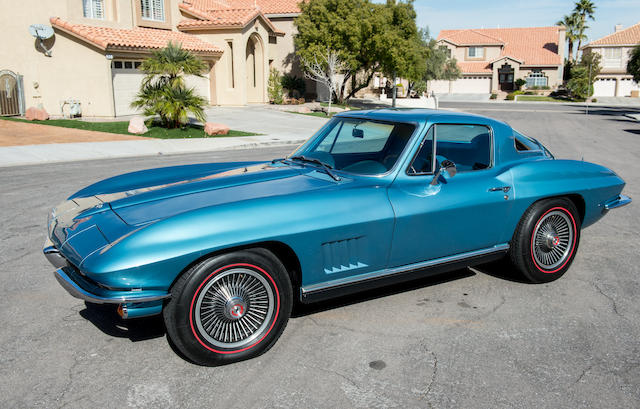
(359, 146)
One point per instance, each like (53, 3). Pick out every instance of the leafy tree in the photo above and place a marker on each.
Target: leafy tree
(367, 37)
(633, 66)
(583, 75)
(163, 91)
(274, 86)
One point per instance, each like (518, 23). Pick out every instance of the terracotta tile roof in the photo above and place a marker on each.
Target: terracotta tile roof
(266, 6)
(214, 14)
(137, 38)
(469, 37)
(474, 67)
(226, 18)
(531, 45)
(628, 36)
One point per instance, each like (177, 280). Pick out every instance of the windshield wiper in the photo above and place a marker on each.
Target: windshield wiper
(324, 165)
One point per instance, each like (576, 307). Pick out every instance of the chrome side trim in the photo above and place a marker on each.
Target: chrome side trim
(76, 291)
(619, 201)
(53, 255)
(402, 269)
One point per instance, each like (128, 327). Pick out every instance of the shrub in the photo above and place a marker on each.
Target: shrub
(493, 96)
(163, 91)
(519, 83)
(511, 96)
(274, 87)
(295, 86)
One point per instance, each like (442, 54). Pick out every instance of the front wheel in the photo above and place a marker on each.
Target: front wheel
(229, 307)
(546, 240)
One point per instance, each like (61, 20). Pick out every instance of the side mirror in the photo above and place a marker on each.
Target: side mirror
(446, 166)
(357, 133)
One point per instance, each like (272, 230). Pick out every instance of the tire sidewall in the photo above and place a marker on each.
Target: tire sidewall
(535, 272)
(190, 340)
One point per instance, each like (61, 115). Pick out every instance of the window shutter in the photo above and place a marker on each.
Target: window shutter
(86, 8)
(158, 10)
(145, 6)
(98, 8)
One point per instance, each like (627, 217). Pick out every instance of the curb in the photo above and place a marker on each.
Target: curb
(25, 155)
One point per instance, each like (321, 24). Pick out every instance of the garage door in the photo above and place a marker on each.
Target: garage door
(439, 86)
(127, 80)
(471, 85)
(604, 87)
(626, 86)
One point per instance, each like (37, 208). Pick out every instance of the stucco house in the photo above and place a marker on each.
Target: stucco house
(491, 60)
(614, 49)
(98, 46)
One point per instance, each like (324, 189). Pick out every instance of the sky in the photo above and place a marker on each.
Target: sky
(453, 14)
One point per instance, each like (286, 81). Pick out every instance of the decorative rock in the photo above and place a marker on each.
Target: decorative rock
(137, 126)
(315, 107)
(304, 110)
(212, 128)
(36, 114)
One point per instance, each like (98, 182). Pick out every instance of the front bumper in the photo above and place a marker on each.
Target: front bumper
(85, 289)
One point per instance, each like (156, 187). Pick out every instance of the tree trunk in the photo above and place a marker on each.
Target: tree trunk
(570, 51)
(362, 84)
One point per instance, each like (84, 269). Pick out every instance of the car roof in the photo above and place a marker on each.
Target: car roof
(418, 115)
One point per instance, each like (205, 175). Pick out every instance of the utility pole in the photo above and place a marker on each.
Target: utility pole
(395, 90)
(588, 90)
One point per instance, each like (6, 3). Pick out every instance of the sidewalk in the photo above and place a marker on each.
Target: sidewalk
(278, 128)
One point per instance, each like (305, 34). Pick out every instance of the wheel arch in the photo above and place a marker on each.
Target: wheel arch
(280, 250)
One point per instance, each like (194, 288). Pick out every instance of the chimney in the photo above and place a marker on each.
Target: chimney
(617, 28)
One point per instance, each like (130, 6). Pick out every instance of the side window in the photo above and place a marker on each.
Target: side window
(422, 162)
(523, 143)
(468, 146)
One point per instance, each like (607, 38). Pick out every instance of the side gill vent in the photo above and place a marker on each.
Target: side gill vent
(343, 255)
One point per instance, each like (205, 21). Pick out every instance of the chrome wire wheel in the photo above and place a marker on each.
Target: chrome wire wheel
(234, 308)
(553, 240)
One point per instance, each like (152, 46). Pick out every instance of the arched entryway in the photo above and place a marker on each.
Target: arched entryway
(255, 69)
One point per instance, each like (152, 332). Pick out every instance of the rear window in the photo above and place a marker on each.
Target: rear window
(524, 143)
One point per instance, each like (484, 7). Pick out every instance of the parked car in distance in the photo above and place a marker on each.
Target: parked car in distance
(222, 250)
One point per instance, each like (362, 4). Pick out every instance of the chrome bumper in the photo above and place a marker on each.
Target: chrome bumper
(63, 275)
(80, 287)
(619, 201)
(53, 255)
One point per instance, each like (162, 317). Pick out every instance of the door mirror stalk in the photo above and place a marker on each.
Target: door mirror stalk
(446, 166)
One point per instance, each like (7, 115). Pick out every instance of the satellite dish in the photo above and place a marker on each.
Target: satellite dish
(42, 32)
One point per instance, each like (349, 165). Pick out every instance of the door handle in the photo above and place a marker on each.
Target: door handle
(504, 189)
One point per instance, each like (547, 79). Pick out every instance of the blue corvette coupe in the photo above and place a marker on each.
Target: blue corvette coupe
(375, 197)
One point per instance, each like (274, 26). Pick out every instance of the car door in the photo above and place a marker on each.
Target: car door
(454, 215)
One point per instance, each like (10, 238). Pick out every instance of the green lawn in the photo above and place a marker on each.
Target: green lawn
(543, 98)
(326, 104)
(120, 127)
(318, 114)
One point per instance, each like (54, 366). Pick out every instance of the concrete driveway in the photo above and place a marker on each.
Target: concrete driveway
(475, 338)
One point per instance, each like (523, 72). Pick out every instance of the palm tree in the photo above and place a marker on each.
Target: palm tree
(163, 91)
(584, 9)
(570, 22)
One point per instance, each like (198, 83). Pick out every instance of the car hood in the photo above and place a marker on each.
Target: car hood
(146, 196)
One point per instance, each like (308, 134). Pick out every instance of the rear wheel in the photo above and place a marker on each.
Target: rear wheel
(229, 307)
(546, 240)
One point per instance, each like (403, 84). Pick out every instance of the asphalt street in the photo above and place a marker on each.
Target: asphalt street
(475, 338)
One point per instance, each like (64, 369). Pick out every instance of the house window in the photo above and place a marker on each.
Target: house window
(230, 64)
(93, 9)
(126, 65)
(613, 57)
(536, 78)
(475, 52)
(152, 9)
